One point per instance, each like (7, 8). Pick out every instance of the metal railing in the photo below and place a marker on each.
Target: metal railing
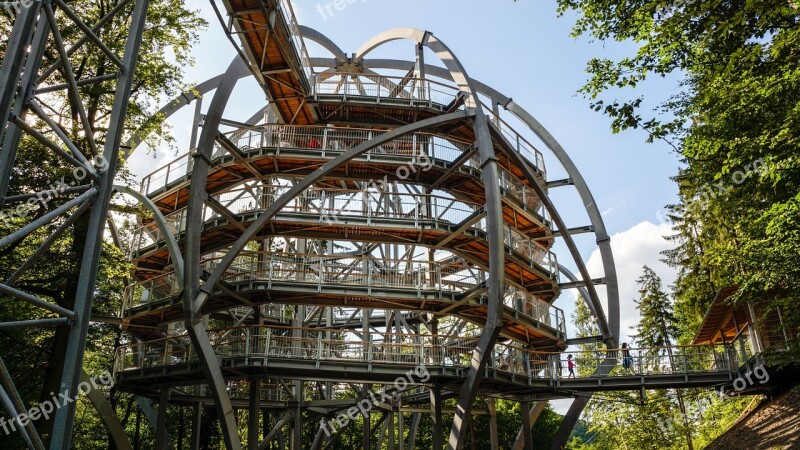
(327, 205)
(514, 187)
(517, 141)
(331, 206)
(285, 6)
(258, 345)
(532, 251)
(648, 361)
(532, 306)
(318, 271)
(415, 91)
(422, 148)
(238, 390)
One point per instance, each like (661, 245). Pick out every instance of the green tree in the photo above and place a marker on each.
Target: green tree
(657, 326)
(657, 329)
(619, 420)
(170, 33)
(735, 124)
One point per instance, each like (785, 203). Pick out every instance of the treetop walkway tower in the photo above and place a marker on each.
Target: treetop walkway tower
(378, 236)
(380, 215)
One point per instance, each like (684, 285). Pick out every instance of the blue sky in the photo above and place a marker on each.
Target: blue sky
(525, 51)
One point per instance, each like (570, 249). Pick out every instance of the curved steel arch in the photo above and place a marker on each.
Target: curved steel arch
(325, 42)
(172, 244)
(488, 163)
(596, 219)
(197, 195)
(609, 325)
(178, 103)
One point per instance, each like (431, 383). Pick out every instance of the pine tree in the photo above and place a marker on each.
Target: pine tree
(657, 328)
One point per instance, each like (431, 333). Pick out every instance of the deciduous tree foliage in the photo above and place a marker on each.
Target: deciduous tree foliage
(735, 124)
(171, 30)
(630, 420)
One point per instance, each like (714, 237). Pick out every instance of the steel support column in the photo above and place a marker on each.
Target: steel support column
(494, 436)
(11, 137)
(193, 317)
(254, 414)
(527, 439)
(366, 435)
(533, 415)
(162, 432)
(197, 423)
(76, 344)
(436, 417)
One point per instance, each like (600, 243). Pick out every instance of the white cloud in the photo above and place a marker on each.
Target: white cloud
(640, 245)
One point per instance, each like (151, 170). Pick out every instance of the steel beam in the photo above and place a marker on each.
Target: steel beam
(107, 414)
(304, 184)
(11, 68)
(254, 414)
(65, 417)
(162, 431)
(161, 222)
(11, 137)
(16, 406)
(193, 319)
(276, 430)
(527, 439)
(436, 417)
(523, 439)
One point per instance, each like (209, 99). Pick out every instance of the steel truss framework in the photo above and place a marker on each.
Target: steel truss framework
(362, 225)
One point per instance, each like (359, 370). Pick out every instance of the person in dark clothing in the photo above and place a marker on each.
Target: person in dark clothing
(627, 359)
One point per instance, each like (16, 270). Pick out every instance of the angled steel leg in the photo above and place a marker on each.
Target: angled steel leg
(16, 406)
(108, 416)
(11, 137)
(436, 417)
(254, 414)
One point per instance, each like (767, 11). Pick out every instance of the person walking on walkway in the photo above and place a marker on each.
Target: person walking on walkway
(571, 366)
(627, 359)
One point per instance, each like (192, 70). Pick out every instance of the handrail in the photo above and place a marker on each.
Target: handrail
(423, 148)
(522, 145)
(285, 6)
(267, 343)
(331, 206)
(347, 270)
(378, 87)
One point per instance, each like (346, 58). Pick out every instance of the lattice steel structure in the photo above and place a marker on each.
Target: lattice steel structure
(378, 220)
(384, 217)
